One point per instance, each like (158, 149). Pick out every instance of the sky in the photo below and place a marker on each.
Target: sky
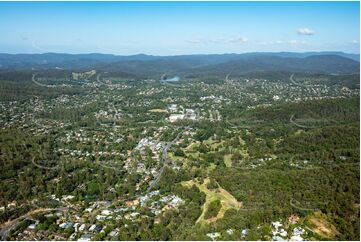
(176, 28)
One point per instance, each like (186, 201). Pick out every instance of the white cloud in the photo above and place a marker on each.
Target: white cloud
(277, 42)
(296, 42)
(305, 31)
(354, 42)
(204, 41)
(218, 41)
(238, 40)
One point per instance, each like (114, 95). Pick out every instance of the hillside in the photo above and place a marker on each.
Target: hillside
(147, 65)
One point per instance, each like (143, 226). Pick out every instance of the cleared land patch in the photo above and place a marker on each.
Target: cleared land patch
(226, 199)
(321, 226)
(228, 160)
(158, 110)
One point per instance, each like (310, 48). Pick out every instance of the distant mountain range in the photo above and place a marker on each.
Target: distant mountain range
(148, 65)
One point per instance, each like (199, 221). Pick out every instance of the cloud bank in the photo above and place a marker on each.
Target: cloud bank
(305, 31)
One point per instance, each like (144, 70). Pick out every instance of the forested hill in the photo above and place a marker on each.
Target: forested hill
(312, 62)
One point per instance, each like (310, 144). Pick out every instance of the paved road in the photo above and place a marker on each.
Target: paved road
(304, 85)
(233, 126)
(8, 226)
(295, 83)
(38, 83)
(165, 159)
(98, 80)
(300, 125)
(298, 84)
(44, 167)
(227, 77)
(302, 208)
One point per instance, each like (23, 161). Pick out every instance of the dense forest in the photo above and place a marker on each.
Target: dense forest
(255, 151)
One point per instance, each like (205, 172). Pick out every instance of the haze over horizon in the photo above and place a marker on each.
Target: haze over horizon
(178, 28)
(185, 54)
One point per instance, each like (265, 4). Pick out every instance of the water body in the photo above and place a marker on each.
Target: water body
(172, 79)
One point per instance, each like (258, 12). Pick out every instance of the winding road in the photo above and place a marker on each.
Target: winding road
(305, 209)
(300, 125)
(8, 226)
(299, 84)
(44, 167)
(165, 159)
(38, 83)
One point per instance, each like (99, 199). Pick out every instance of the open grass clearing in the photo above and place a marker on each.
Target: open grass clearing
(319, 225)
(227, 200)
(158, 110)
(228, 160)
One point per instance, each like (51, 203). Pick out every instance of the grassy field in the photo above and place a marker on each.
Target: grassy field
(317, 223)
(212, 143)
(228, 160)
(158, 110)
(227, 200)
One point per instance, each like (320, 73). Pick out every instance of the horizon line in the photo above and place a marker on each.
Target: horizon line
(137, 54)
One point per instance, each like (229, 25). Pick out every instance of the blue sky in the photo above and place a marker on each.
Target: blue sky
(173, 28)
